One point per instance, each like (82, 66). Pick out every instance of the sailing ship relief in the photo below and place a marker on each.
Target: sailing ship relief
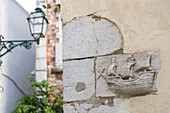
(133, 74)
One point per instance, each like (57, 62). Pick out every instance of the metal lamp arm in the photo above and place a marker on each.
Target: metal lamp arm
(8, 45)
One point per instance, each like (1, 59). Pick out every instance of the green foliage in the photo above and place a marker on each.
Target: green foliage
(44, 99)
(57, 8)
(44, 6)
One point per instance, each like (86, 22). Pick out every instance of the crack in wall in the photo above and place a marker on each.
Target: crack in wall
(98, 101)
(119, 51)
(94, 69)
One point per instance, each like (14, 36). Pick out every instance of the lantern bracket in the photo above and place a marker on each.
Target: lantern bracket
(7, 45)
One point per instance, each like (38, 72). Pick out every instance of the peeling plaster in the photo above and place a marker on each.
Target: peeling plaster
(100, 101)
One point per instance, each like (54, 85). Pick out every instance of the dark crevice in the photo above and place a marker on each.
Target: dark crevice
(120, 51)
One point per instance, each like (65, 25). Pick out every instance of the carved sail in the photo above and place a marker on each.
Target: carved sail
(131, 76)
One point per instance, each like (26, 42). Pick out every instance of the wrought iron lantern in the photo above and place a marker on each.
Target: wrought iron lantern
(37, 24)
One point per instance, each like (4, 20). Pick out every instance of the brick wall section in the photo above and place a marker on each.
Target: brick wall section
(52, 78)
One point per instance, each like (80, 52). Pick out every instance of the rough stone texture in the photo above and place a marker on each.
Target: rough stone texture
(40, 75)
(145, 27)
(51, 37)
(102, 88)
(95, 67)
(53, 45)
(95, 35)
(80, 86)
(120, 106)
(68, 108)
(75, 72)
(41, 69)
(127, 74)
(41, 65)
(41, 51)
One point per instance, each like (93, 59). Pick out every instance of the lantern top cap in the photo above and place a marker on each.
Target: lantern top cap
(38, 10)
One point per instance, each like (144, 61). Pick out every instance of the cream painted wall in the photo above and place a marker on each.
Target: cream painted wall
(145, 26)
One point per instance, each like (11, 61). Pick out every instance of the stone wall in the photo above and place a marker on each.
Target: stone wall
(51, 40)
(49, 52)
(105, 36)
(54, 73)
(49, 49)
(41, 58)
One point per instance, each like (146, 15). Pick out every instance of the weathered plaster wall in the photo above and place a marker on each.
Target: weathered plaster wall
(144, 26)
(87, 40)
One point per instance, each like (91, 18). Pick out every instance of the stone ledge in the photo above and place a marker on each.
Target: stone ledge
(57, 70)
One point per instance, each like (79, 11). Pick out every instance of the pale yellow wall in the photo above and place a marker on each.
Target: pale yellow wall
(145, 26)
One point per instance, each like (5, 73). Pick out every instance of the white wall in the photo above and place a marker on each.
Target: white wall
(1, 31)
(20, 62)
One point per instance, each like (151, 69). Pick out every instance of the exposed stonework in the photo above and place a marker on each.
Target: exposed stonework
(51, 36)
(80, 86)
(102, 105)
(94, 60)
(41, 65)
(75, 72)
(54, 74)
(87, 36)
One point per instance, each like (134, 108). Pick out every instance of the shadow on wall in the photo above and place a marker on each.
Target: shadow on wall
(18, 64)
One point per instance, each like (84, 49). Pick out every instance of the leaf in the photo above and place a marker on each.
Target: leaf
(44, 6)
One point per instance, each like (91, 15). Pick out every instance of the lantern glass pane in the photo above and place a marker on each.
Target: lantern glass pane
(38, 23)
(37, 14)
(44, 27)
(36, 26)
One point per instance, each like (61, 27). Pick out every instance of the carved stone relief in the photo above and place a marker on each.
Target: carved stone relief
(132, 74)
(100, 41)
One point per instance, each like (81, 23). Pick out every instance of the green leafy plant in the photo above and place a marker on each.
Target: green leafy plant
(44, 99)
(57, 8)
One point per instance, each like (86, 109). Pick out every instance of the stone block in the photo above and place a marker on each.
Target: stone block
(127, 74)
(41, 75)
(88, 36)
(94, 108)
(104, 109)
(58, 54)
(42, 42)
(41, 52)
(78, 79)
(41, 64)
(69, 108)
(102, 88)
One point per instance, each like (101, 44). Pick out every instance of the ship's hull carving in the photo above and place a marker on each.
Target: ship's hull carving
(133, 74)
